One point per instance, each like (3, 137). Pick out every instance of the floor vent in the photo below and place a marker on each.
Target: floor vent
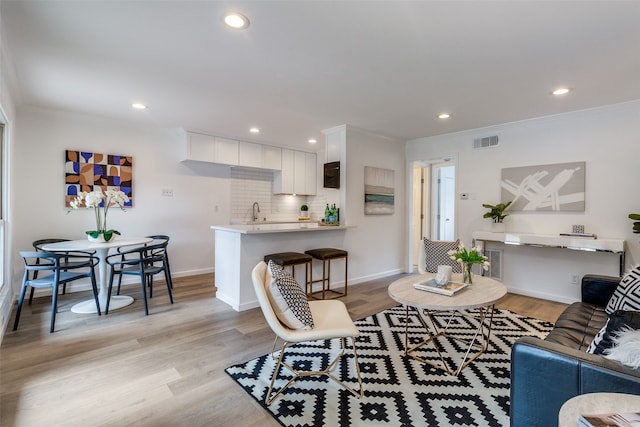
(495, 259)
(487, 141)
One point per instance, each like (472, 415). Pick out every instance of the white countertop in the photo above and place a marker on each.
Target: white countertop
(288, 227)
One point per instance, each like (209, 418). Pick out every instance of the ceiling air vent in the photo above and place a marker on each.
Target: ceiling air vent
(487, 141)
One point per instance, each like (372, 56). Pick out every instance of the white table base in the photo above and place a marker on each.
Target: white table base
(89, 306)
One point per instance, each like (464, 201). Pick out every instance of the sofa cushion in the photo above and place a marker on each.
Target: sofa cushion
(627, 294)
(577, 325)
(618, 321)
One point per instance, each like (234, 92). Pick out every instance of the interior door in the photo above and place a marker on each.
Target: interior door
(445, 184)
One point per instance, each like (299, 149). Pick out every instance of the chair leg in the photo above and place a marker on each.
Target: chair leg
(167, 279)
(23, 291)
(119, 283)
(54, 307)
(106, 311)
(31, 295)
(95, 291)
(143, 280)
(359, 393)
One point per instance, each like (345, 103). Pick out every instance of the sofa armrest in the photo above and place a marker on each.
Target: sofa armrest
(544, 375)
(598, 289)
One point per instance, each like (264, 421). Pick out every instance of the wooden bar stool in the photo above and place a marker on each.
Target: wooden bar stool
(292, 259)
(326, 255)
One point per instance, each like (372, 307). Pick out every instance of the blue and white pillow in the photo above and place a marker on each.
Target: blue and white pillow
(627, 294)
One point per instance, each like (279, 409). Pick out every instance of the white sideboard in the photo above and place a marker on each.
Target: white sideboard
(615, 246)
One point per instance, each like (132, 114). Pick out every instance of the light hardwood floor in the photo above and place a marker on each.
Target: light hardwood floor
(165, 369)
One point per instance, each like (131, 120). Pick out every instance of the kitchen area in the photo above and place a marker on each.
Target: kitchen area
(265, 210)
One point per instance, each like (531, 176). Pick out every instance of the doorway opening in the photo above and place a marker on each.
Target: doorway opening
(434, 202)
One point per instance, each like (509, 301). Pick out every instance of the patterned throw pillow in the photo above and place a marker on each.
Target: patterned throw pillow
(288, 299)
(617, 322)
(627, 294)
(436, 253)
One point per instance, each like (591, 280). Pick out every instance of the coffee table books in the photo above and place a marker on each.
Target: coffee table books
(610, 420)
(449, 289)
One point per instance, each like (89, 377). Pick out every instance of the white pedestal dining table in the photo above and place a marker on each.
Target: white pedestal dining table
(102, 250)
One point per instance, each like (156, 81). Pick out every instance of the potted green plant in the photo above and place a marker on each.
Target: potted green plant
(636, 224)
(496, 212)
(497, 215)
(304, 211)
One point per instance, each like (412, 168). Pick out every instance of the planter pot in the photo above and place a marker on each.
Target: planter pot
(498, 227)
(100, 238)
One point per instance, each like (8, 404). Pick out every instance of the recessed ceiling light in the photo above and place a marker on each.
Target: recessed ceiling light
(236, 20)
(444, 116)
(312, 141)
(254, 130)
(138, 106)
(561, 91)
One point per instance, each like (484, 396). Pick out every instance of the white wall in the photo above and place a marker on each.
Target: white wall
(37, 180)
(607, 139)
(377, 243)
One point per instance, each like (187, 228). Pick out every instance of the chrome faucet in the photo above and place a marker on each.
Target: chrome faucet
(256, 210)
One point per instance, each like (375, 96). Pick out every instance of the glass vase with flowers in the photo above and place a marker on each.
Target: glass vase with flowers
(467, 258)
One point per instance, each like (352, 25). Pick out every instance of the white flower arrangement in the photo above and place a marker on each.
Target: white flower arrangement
(467, 259)
(97, 199)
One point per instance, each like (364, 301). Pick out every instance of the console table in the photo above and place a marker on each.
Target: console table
(615, 246)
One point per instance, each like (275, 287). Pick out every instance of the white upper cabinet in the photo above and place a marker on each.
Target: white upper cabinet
(212, 149)
(298, 174)
(311, 175)
(271, 157)
(200, 147)
(250, 155)
(226, 151)
(254, 155)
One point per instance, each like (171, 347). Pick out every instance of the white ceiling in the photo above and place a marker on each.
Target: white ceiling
(389, 67)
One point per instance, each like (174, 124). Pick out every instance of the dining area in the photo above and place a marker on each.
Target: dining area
(55, 262)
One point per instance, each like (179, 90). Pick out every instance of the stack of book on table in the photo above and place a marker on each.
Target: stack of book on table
(627, 419)
(449, 288)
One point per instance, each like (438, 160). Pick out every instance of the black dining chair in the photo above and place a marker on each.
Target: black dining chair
(64, 262)
(160, 256)
(142, 261)
(77, 266)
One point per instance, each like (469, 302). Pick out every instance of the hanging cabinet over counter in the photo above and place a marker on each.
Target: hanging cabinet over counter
(298, 173)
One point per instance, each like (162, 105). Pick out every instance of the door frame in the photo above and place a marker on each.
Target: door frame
(426, 163)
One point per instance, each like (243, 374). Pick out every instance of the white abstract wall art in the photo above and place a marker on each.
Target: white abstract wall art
(379, 192)
(555, 187)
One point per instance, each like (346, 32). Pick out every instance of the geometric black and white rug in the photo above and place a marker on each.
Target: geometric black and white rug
(398, 390)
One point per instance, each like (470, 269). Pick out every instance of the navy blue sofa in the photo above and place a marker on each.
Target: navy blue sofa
(546, 373)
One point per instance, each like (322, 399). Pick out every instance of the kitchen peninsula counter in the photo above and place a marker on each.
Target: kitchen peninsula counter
(286, 227)
(238, 248)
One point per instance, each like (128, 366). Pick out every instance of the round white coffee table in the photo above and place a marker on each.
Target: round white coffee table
(476, 303)
(596, 403)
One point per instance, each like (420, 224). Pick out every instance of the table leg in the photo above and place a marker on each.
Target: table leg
(117, 301)
(479, 341)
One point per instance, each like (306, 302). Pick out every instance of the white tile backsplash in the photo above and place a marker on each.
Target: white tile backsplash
(255, 185)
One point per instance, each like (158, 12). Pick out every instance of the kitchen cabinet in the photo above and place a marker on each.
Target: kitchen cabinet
(254, 155)
(298, 173)
(226, 151)
(271, 157)
(200, 147)
(211, 149)
(250, 155)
